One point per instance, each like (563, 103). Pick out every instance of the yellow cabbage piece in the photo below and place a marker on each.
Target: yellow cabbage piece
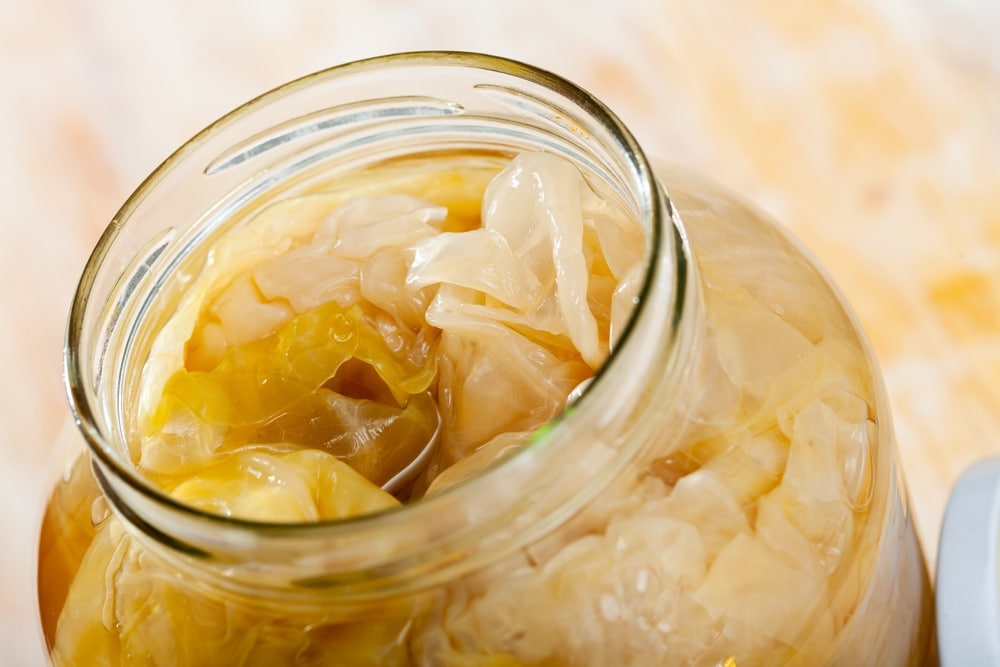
(297, 487)
(257, 381)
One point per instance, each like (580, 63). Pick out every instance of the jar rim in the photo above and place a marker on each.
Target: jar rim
(654, 206)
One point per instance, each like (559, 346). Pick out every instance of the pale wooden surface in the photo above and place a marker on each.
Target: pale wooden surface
(871, 129)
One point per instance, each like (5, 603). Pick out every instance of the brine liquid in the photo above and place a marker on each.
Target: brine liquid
(337, 332)
(67, 530)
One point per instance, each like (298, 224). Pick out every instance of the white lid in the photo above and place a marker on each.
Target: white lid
(968, 600)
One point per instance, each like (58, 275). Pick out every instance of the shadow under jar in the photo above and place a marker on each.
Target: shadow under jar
(413, 361)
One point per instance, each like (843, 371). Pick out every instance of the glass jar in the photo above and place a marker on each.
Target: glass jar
(723, 492)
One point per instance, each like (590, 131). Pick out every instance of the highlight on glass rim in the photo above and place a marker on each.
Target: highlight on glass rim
(421, 361)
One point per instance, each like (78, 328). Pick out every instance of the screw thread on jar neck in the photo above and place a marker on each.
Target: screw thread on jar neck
(337, 121)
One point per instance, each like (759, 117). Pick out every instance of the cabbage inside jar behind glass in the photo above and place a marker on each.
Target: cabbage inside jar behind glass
(322, 343)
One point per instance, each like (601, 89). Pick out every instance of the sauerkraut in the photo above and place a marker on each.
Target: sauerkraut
(453, 307)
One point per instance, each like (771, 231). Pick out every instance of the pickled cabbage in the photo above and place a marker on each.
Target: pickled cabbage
(335, 340)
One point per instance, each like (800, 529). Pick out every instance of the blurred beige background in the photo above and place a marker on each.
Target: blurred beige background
(871, 129)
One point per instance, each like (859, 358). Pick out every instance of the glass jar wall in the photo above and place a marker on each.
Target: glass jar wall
(702, 472)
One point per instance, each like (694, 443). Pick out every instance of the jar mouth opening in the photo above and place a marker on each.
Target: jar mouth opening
(651, 203)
